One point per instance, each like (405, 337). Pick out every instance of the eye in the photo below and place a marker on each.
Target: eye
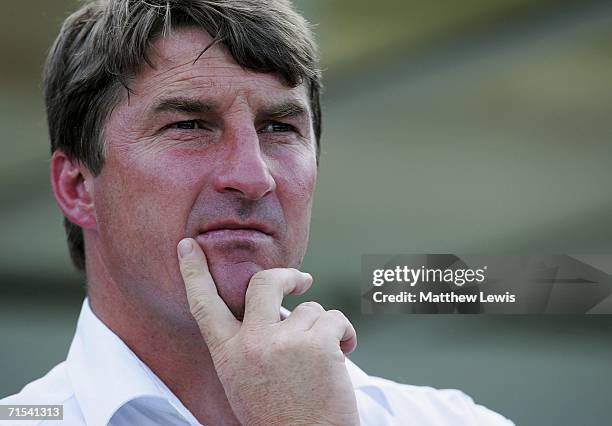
(276, 127)
(185, 125)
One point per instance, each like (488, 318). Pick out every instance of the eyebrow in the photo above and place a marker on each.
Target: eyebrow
(186, 105)
(287, 109)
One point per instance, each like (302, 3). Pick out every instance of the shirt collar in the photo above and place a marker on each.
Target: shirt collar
(106, 375)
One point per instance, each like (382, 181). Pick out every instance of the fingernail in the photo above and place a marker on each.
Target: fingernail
(185, 247)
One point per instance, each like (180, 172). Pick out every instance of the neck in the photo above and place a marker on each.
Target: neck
(178, 355)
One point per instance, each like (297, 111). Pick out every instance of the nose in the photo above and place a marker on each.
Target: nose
(244, 171)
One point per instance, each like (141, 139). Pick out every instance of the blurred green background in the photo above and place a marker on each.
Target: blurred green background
(449, 127)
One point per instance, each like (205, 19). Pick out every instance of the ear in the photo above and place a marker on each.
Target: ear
(72, 184)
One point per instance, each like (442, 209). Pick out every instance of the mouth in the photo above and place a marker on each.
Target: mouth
(235, 231)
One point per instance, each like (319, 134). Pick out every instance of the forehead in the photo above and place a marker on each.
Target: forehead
(215, 73)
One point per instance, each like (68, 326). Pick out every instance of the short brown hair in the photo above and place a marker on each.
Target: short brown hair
(104, 43)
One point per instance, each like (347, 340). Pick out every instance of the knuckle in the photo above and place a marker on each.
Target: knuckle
(293, 271)
(261, 277)
(198, 309)
(311, 305)
(222, 360)
(190, 271)
(216, 349)
(337, 315)
(273, 275)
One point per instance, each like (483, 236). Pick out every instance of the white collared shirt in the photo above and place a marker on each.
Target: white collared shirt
(102, 382)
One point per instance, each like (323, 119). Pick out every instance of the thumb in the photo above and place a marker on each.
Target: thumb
(216, 321)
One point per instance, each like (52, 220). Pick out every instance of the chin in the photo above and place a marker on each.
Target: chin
(232, 262)
(232, 280)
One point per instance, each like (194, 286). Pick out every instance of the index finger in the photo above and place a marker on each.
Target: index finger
(266, 290)
(216, 321)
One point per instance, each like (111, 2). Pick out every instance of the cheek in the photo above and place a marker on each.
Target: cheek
(296, 182)
(141, 208)
(148, 196)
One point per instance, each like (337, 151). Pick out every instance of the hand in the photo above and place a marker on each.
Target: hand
(274, 372)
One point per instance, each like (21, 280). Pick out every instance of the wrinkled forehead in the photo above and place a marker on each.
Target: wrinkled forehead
(188, 63)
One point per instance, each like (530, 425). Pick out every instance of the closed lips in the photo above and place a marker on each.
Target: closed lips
(237, 226)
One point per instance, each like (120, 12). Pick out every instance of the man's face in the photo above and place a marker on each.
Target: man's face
(205, 150)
